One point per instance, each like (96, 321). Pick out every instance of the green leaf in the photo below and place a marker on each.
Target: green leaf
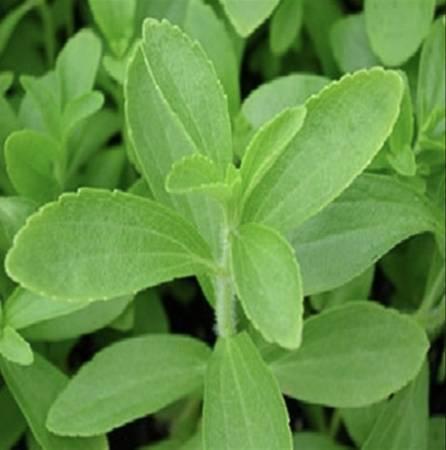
(245, 17)
(350, 44)
(307, 440)
(171, 81)
(267, 145)
(317, 26)
(153, 372)
(13, 214)
(188, 83)
(346, 124)
(106, 168)
(268, 283)
(360, 421)
(285, 25)
(81, 107)
(193, 173)
(202, 23)
(24, 308)
(243, 408)
(431, 87)
(32, 163)
(356, 289)
(115, 18)
(35, 403)
(403, 423)
(9, 22)
(14, 348)
(150, 315)
(400, 154)
(437, 438)
(82, 321)
(100, 245)
(373, 352)
(41, 106)
(6, 80)
(77, 64)
(265, 102)
(396, 30)
(364, 223)
(13, 423)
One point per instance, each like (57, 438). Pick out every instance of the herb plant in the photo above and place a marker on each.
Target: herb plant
(274, 168)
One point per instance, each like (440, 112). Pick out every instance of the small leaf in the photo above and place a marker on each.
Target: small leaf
(35, 403)
(431, 75)
(153, 372)
(81, 321)
(245, 17)
(41, 106)
(346, 124)
(400, 153)
(32, 162)
(13, 214)
(192, 173)
(101, 245)
(396, 30)
(243, 408)
(81, 108)
(285, 25)
(403, 422)
(270, 99)
(116, 20)
(350, 43)
(24, 308)
(364, 223)
(268, 283)
(268, 144)
(373, 352)
(202, 24)
(317, 26)
(77, 64)
(14, 348)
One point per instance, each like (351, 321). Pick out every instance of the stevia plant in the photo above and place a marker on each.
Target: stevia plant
(132, 158)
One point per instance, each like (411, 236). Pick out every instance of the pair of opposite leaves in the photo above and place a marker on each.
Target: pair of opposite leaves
(100, 245)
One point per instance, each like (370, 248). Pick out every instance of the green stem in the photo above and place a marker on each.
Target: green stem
(225, 298)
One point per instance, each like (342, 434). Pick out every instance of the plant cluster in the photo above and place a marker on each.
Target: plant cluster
(272, 169)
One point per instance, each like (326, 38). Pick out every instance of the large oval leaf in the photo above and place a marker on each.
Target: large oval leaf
(352, 356)
(128, 380)
(98, 244)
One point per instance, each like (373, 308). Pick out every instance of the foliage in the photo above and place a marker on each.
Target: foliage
(280, 165)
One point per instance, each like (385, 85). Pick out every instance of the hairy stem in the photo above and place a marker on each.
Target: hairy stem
(224, 289)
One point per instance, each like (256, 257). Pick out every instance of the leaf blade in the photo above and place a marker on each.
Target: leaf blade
(150, 244)
(173, 365)
(268, 284)
(363, 122)
(236, 415)
(349, 376)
